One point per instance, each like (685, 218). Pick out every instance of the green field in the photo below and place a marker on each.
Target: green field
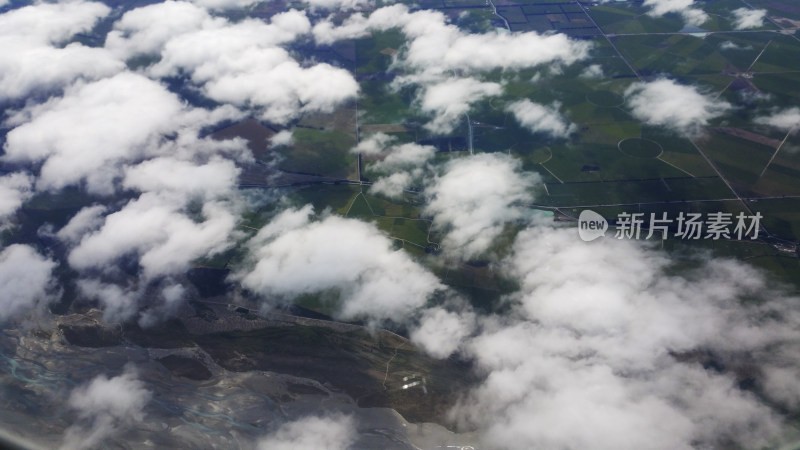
(320, 152)
(611, 158)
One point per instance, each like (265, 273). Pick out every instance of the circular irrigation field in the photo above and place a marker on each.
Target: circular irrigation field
(606, 99)
(540, 155)
(640, 147)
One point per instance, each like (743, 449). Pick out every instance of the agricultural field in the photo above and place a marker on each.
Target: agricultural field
(612, 160)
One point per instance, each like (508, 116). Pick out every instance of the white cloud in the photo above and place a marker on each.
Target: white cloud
(90, 132)
(405, 156)
(145, 30)
(26, 279)
(730, 45)
(686, 8)
(785, 119)
(449, 100)
(103, 405)
(172, 297)
(374, 144)
(340, 5)
(436, 51)
(52, 22)
(666, 103)
(780, 382)
(474, 198)
(160, 232)
(355, 26)
(283, 138)
(392, 185)
(118, 303)
(34, 57)
(402, 165)
(152, 302)
(601, 351)
(15, 188)
(438, 46)
(242, 63)
(87, 219)
(592, 71)
(541, 119)
(225, 4)
(444, 47)
(169, 28)
(192, 180)
(745, 18)
(293, 255)
(323, 433)
(441, 332)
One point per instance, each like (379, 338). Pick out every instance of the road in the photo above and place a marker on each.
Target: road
(660, 202)
(610, 42)
(494, 10)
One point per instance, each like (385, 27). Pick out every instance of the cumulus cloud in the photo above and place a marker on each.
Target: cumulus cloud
(541, 119)
(780, 382)
(166, 28)
(283, 138)
(730, 45)
(160, 232)
(786, 119)
(686, 8)
(339, 5)
(294, 255)
(675, 106)
(127, 135)
(374, 144)
(87, 219)
(171, 296)
(401, 165)
(449, 100)
(121, 301)
(745, 18)
(191, 180)
(592, 71)
(225, 4)
(103, 406)
(33, 38)
(393, 185)
(26, 277)
(87, 135)
(244, 64)
(324, 433)
(436, 51)
(15, 188)
(438, 46)
(405, 156)
(118, 303)
(474, 198)
(605, 351)
(444, 47)
(241, 63)
(145, 30)
(441, 332)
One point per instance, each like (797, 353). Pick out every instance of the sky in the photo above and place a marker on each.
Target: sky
(602, 345)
